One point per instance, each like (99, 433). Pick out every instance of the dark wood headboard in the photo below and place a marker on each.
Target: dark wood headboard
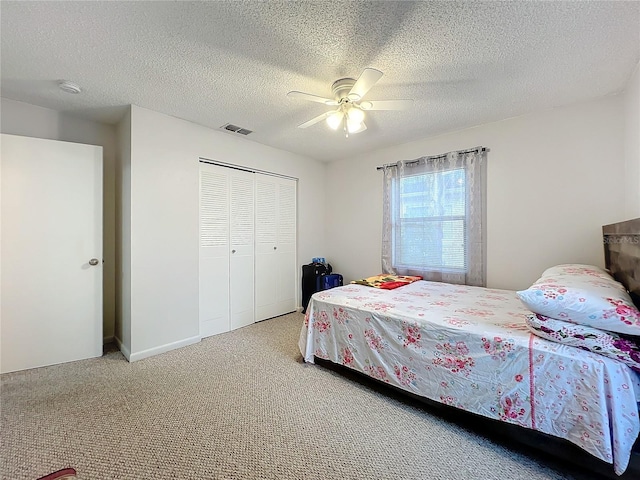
(622, 254)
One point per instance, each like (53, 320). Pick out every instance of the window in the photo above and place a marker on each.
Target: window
(433, 226)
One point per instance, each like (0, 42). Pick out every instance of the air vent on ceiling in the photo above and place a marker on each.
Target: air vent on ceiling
(236, 129)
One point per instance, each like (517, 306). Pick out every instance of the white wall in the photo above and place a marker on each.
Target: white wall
(554, 178)
(631, 101)
(164, 219)
(20, 118)
(123, 236)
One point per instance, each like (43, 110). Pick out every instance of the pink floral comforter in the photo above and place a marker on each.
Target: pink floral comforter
(469, 347)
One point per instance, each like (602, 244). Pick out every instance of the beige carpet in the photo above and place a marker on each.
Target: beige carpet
(236, 406)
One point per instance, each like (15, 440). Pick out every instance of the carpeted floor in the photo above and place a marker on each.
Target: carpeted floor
(240, 405)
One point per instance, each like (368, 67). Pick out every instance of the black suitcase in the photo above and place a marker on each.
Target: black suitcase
(311, 281)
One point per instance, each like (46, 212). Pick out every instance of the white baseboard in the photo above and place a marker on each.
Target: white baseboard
(133, 357)
(106, 340)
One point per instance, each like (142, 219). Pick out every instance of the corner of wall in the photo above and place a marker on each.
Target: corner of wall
(123, 348)
(123, 235)
(631, 114)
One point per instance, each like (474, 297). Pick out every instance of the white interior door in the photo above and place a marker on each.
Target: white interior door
(51, 257)
(241, 263)
(266, 247)
(276, 283)
(287, 270)
(214, 250)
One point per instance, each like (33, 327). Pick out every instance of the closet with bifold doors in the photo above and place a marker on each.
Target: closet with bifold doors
(247, 247)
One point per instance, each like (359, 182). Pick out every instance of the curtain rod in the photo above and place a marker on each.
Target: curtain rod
(434, 157)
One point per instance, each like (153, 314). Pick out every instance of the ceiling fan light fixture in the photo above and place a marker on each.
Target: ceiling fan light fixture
(354, 127)
(355, 115)
(351, 110)
(334, 120)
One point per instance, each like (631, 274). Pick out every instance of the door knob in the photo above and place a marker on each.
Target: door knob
(93, 262)
(233, 251)
(275, 248)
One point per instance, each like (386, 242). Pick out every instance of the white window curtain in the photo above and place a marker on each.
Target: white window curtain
(434, 217)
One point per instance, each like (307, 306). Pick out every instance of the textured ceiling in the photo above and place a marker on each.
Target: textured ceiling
(464, 63)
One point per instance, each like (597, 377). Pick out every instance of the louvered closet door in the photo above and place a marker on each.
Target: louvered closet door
(287, 270)
(214, 250)
(275, 246)
(266, 247)
(241, 268)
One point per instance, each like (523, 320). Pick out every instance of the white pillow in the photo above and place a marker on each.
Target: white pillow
(576, 269)
(583, 298)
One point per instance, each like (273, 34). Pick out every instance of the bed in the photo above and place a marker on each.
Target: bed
(469, 348)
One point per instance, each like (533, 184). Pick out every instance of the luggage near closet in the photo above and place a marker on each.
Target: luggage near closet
(311, 274)
(330, 281)
(316, 277)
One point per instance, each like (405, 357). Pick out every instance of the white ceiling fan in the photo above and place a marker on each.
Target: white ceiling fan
(348, 94)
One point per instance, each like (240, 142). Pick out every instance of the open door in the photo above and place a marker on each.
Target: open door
(51, 252)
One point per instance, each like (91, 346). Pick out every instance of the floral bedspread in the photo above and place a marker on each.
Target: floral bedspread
(469, 347)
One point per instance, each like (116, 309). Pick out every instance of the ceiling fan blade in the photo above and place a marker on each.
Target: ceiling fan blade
(312, 98)
(386, 105)
(315, 120)
(366, 80)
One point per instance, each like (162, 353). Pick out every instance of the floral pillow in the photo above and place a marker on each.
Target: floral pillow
(605, 343)
(584, 299)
